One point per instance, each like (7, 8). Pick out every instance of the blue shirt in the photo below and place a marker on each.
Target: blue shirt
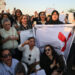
(6, 70)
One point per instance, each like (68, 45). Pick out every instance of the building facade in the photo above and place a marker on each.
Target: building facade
(2, 5)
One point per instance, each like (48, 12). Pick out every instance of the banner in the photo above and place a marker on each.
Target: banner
(62, 17)
(24, 35)
(59, 36)
(49, 11)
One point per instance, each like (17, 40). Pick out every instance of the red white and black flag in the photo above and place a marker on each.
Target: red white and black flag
(59, 36)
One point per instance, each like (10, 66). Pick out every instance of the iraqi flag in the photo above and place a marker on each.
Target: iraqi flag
(59, 36)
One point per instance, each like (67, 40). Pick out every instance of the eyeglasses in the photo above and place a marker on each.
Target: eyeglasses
(42, 15)
(47, 49)
(6, 55)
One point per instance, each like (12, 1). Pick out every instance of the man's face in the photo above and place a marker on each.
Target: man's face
(31, 42)
(7, 25)
(5, 16)
(7, 57)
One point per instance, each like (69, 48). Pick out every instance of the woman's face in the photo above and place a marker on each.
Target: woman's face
(48, 51)
(24, 20)
(42, 16)
(18, 13)
(55, 16)
(7, 25)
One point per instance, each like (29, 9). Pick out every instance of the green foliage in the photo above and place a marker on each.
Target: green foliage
(71, 10)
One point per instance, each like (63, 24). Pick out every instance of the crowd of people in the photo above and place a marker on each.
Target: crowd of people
(26, 59)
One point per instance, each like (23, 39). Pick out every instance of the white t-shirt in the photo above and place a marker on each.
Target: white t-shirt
(30, 56)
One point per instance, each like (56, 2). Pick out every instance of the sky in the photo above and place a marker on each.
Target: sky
(29, 6)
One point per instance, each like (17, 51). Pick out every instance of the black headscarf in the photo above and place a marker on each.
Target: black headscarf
(57, 21)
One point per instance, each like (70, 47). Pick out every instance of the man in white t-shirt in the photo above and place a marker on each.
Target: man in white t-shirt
(31, 54)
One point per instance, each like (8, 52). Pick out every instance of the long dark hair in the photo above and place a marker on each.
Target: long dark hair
(40, 14)
(57, 57)
(57, 21)
(16, 12)
(56, 13)
(54, 53)
(74, 15)
(20, 69)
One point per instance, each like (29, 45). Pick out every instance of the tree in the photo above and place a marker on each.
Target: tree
(71, 10)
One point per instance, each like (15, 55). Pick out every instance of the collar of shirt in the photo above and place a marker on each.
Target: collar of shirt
(8, 69)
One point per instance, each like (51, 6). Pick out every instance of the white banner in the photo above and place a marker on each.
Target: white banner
(59, 36)
(62, 17)
(49, 11)
(24, 35)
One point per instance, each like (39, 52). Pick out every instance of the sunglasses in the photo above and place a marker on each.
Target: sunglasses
(47, 49)
(29, 57)
(6, 55)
